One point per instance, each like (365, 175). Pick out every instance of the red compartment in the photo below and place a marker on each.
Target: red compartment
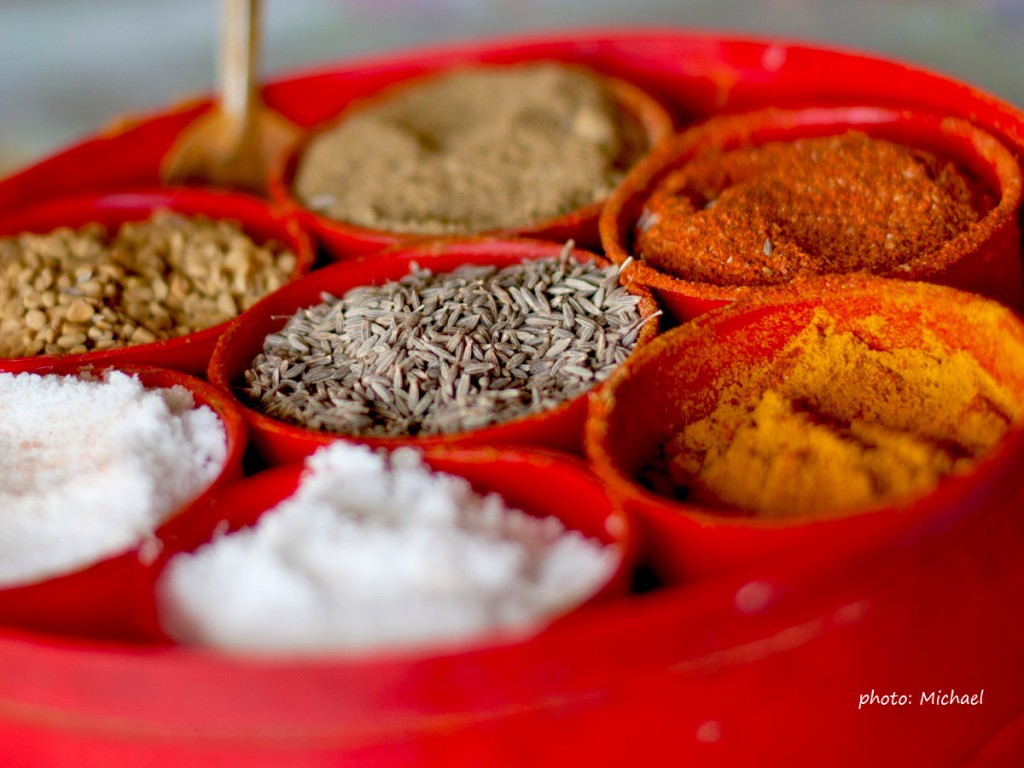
(523, 478)
(986, 258)
(344, 240)
(675, 381)
(104, 599)
(280, 442)
(189, 353)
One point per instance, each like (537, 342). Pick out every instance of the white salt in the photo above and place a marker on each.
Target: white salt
(373, 551)
(90, 467)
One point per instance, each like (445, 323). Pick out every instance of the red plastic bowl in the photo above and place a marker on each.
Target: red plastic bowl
(523, 478)
(985, 259)
(103, 599)
(189, 353)
(341, 239)
(281, 442)
(676, 380)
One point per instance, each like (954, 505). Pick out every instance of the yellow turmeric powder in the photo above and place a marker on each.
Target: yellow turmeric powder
(835, 423)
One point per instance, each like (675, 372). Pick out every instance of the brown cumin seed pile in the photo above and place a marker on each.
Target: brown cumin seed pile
(435, 354)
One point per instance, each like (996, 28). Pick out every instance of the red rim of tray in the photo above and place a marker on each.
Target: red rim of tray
(282, 442)
(189, 353)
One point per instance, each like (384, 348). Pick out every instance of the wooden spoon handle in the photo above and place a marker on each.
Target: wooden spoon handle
(239, 57)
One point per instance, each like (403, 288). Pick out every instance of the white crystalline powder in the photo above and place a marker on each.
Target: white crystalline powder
(89, 467)
(375, 552)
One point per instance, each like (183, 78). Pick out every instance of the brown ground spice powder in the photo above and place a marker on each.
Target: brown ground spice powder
(473, 150)
(834, 424)
(831, 205)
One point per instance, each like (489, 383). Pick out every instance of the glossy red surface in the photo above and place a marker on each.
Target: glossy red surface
(985, 259)
(103, 599)
(761, 666)
(700, 673)
(281, 442)
(189, 353)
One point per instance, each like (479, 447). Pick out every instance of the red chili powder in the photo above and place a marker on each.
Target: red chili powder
(837, 204)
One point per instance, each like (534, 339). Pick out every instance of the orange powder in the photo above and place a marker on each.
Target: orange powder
(834, 424)
(831, 205)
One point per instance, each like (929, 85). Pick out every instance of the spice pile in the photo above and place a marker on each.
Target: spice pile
(472, 150)
(834, 205)
(836, 423)
(89, 467)
(73, 291)
(434, 354)
(375, 551)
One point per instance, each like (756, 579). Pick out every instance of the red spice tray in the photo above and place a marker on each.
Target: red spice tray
(810, 659)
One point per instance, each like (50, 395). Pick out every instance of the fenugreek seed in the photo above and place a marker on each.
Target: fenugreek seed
(159, 319)
(69, 340)
(110, 272)
(29, 301)
(226, 305)
(138, 294)
(97, 334)
(66, 327)
(79, 311)
(36, 319)
(91, 288)
(12, 314)
(142, 336)
(43, 281)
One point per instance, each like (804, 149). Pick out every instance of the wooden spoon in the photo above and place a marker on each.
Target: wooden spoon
(233, 143)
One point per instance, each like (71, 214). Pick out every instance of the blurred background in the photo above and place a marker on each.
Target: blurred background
(69, 67)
